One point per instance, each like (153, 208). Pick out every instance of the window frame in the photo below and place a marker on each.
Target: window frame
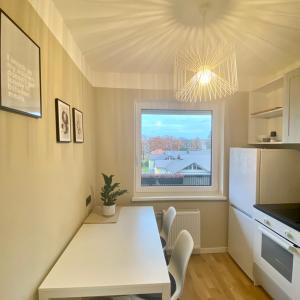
(217, 110)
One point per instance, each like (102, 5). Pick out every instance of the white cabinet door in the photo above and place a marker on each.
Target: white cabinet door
(240, 240)
(292, 107)
(279, 176)
(243, 178)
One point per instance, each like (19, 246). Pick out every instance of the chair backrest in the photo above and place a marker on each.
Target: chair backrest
(167, 221)
(179, 260)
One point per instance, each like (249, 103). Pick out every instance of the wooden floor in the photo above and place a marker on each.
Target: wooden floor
(217, 277)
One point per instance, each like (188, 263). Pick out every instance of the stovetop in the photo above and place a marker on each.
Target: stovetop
(288, 213)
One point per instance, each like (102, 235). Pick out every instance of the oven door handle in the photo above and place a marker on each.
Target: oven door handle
(284, 244)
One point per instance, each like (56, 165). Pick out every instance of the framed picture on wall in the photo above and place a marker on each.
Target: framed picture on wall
(20, 70)
(63, 121)
(78, 126)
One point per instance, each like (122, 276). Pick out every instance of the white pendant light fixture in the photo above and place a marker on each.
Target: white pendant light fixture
(207, 72)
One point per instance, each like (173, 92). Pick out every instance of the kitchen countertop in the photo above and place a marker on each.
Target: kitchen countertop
(287, 213)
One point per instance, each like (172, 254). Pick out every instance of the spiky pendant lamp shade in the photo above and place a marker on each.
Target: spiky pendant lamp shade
(207, 71)
(206, 74)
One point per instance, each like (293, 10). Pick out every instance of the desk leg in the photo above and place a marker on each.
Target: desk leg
(43, 297)
(166, 293)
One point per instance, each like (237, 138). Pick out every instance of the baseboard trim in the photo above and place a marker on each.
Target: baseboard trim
(213, 250)
(195, 251)
(206, 250)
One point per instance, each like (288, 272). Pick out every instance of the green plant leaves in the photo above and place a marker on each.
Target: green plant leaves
(109, 194)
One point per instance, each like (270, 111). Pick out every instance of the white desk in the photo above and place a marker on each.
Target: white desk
(111, 259)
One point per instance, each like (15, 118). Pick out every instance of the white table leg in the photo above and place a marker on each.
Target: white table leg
(43, 296)
(166, 293)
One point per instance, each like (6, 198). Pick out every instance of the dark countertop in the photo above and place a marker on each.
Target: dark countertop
(287, 213)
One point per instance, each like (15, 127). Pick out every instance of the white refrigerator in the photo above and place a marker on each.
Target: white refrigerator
(257, 176)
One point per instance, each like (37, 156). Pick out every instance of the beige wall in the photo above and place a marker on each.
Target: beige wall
(115, 151)
(43, 184)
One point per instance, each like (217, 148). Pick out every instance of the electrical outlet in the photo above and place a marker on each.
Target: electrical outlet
(88, 200)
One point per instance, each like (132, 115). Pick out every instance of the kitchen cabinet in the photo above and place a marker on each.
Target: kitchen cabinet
(292, 107)
(276, 107)
(266, 105)
(241, 230)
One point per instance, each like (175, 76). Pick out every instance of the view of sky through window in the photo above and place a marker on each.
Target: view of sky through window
(177, 125)
(176, 148)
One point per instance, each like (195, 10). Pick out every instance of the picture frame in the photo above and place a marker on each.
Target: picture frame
(20, 78)
(78, 132)
(63, 121)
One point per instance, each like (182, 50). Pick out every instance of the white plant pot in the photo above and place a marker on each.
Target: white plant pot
(108, 210)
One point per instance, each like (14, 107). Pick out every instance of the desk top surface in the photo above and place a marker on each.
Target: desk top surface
(125, 253)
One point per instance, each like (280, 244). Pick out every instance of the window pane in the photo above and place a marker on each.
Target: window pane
(176, 148)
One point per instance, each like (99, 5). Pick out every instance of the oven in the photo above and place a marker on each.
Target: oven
(276, 261)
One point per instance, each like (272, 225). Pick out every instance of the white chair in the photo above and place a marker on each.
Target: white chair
(179, 260)
(181, 254)
(167, 221)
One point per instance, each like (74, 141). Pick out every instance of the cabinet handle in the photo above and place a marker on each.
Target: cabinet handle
(289, 108)
(277, 239)
(288, 234)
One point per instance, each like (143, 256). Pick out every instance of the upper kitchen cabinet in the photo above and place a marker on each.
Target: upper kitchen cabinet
(292, 107)
(266, 113)
(274, 111)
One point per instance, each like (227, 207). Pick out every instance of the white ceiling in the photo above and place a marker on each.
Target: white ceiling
(142, 36)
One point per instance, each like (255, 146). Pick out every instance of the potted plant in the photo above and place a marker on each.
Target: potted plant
(109, 194)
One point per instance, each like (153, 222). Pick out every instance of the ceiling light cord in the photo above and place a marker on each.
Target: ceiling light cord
(203, 31)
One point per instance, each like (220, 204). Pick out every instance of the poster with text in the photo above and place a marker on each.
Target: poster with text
(20, 70)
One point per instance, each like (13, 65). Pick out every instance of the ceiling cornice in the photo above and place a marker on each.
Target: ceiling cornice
(53, 19)
(142, 81)
(48, 12)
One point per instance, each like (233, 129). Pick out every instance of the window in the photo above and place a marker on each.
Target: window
(178, 149)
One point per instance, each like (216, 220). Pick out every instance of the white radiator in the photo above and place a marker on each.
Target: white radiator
(185, 219)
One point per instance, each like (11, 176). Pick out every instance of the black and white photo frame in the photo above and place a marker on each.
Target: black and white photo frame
(78, 132)
(63, 121)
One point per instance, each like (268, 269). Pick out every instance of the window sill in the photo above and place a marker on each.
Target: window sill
(179, 198)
